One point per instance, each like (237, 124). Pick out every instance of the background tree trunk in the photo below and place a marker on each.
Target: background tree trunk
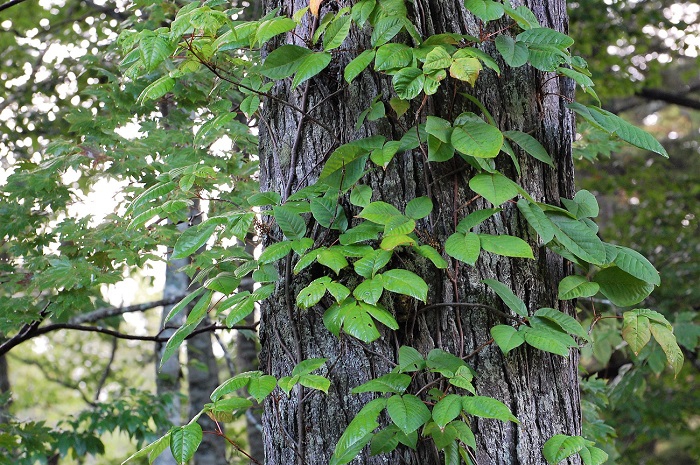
(541, 389)
(168, 376)
(202, 379)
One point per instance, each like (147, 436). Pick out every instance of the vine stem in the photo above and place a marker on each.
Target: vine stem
(221, 434)
(470, 305)
(295, 146)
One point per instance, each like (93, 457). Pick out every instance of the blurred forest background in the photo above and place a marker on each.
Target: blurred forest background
(84, 385)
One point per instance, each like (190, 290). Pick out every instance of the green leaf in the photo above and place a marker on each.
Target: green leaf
(386, 29)
(405, 282)
(408, 83)
(637, 265)
(182, 304)
(564, 321)
(152, 450)
(272, 27)
(358, 433)
(361, 195)
(530, 145)
(386, 440)
(667, 341)
(593, 456)
(463, 379)
(380, 314)
(157, 89)
(431, 254)
(333, 259)
(486, 10)
(154, 49)
(636, 330)
(508, 246)
(436, 59)
(410, 359)
(494, 187)
(311, 294)
(574, 287)
(261, 386)
(370, 290)
(407, 412)
(578, 238)
(342, 158)
(393, 241)
(487, 407)
(547, 339)
(447, 409)
(336, 33)
(464, 434)
(290, 222)
(315, 382)
(359, 324)
(463, 247)
(537, 219)
(584, 205)
(392, 57)
(439, 128)
(310, 66)
(370, 265)
(392, 382)
(365, 231)
(466, 69)
(513, 302)
(507, 338)
(357, 65)
(440, 361)
(284, 61)
(477, 139)
(622, 288)
(184, 441)
(224, 282)
(193, 238)
(383, 156)
(522, 15)
(476, 218)
(515, 54)
(545, 36)
(399, 225)
(326, 210)
(439, 151)
(560, 447)
(379, 212)
(233, 384)
(616, 126)
(274, 252)
(173, 344)
(338, 291)
(419, 208)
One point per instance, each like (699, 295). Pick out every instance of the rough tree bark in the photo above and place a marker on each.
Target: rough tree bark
(541, 389)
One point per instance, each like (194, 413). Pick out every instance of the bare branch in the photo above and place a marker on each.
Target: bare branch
(10, 4)
(35, 331)
(106, 312)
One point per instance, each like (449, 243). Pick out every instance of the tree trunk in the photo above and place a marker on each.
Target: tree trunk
(168, 376)
(4, 388)
(541, 389)
(202, 379)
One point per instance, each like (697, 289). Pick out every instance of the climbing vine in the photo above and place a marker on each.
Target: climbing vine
(359, 267)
